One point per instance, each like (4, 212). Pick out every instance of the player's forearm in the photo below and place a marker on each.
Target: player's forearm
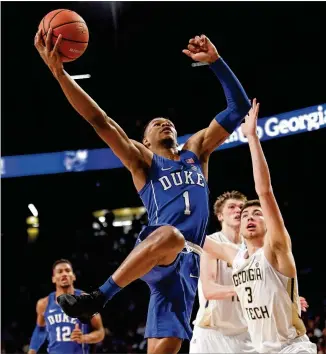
(259, 166)
(238, 103)
(94, 337)
(32, 351)
(79, 99)
(214, 291)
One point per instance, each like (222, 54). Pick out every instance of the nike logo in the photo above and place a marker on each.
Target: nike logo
(53, 310)
(165, 169)
(193, 276)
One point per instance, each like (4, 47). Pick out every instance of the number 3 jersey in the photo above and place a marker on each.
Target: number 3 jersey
(59, 327)
(269, 301)
(176, 194)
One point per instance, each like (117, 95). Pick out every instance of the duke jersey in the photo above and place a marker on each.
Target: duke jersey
(223, 315)
(59, 327)
(270, 302)
(176, 194)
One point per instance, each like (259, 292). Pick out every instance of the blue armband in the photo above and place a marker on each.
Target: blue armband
(238, 104)
(38, 338)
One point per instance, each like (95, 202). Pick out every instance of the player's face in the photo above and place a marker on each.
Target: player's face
(160, 130)
(63, 275)
(252, 223)
(231, 211)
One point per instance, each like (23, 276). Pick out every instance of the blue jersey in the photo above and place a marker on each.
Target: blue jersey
(176, 194)
(59, 327)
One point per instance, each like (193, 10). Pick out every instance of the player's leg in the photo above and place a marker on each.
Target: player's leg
(169, 345)
(160, 248)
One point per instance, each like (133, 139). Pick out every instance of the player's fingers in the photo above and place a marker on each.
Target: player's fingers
(195, 41)
(193, 48)
(48, 39)
(188, 53)
(55, 50)
(257, 109)
(77, 326)
(38, 39)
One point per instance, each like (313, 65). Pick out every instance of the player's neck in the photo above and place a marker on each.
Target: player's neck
(169, 153)
(254, 245)
(69, 290)
(231, 233)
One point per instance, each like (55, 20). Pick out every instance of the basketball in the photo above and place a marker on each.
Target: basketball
(73, 29)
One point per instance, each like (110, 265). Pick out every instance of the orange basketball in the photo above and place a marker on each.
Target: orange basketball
(73, 29)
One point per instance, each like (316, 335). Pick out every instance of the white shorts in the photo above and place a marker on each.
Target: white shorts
(300, 345)
(207, 340)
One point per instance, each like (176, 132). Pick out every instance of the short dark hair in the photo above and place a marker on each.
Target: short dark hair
(59, 261)
(220, 201)
(249, 203)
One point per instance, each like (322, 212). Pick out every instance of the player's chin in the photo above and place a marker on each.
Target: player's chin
(65, 285)
(168, 141)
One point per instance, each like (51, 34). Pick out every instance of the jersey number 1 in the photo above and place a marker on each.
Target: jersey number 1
(187, 202)
(63, 334)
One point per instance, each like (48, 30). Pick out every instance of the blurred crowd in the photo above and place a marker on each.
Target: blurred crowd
(94, 253)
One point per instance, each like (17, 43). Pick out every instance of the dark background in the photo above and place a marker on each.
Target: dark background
(139, 72)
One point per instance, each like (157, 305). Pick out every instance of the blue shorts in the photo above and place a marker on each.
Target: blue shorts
(173, 290)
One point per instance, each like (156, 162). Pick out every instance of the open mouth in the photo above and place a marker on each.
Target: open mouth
(251, 227)
(166, 129)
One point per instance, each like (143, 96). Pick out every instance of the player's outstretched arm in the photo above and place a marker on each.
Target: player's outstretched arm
(208, 272)
(277, 245)
(132, 155)
(220, 250)
(39, 335)
(206, 141)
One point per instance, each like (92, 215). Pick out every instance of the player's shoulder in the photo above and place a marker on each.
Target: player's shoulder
(218, 236)
(41, 304)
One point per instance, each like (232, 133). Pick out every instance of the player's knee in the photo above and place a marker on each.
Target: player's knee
(171, 238)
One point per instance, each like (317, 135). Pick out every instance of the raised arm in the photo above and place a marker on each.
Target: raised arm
(39, 334)
(132, 155)
(206, 141)
(208, 273)
(277, 244)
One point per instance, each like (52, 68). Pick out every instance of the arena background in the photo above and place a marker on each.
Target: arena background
(138, 72)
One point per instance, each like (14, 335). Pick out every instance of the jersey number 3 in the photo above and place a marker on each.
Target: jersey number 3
(63, 334)
(187, 202)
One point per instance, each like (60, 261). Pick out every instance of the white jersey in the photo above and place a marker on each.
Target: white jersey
(223, 315)
(270, 302)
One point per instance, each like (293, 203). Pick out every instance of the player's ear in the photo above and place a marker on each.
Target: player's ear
(146, 142)
(220, 217)
(73, 276)
(53, 279)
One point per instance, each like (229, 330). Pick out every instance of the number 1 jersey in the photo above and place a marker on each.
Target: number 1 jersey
(176, 194)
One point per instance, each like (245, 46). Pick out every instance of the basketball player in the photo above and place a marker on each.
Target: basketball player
(264, 274)
(220, 326)
(64, 334)
(172, 184)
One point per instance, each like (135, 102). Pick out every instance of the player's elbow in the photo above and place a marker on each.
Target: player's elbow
(208, 290)
(101, 334)
(240, 108)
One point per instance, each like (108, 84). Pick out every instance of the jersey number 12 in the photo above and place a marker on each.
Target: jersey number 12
(63, 334)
